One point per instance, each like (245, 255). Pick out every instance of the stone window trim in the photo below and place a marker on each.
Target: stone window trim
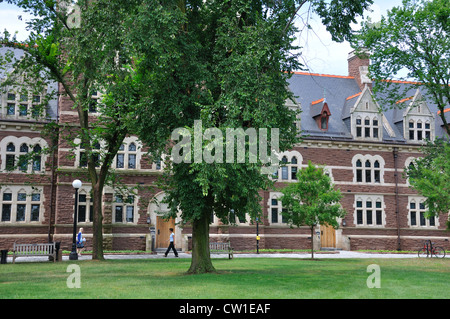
(127, 158)
(21, 205)
(12, 148)
(275, 208)
(369, 211)
(419, 129)
(125, 209)
(18, 105)
(368, 169)
(85, 206)
(416, 214)
(242, 221)
(290, 164)
(368, 126)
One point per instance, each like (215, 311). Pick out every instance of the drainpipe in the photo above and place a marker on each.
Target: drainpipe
(395, 153)
(54, 163)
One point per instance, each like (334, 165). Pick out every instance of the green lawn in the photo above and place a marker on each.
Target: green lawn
(260, 278)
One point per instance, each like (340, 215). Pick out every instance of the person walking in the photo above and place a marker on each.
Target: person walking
(171, 245)
(80, 242)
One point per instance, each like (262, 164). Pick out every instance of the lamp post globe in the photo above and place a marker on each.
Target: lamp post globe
(73, 254)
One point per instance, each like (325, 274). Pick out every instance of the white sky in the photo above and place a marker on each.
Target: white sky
(319, 53)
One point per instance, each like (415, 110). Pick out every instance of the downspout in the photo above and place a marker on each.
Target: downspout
(54, 153)
(395, 153)
(54, 164)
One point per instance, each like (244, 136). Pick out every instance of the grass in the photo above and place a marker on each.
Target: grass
(239, 278)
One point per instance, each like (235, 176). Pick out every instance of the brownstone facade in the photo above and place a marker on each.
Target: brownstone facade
(383, 212)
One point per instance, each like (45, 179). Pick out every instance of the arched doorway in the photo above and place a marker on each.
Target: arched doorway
(156, 210)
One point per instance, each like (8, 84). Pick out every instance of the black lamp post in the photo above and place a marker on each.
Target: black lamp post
(73, 254)
(257, 235)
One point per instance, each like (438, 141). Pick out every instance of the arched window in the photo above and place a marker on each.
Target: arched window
(24, 148)
(373, 169)
(284, 168)
(294, 168)
(37, 158)
(289, 166)
(276, 209)
(132, 156)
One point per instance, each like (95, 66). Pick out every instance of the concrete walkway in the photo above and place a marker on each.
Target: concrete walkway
(337, 254)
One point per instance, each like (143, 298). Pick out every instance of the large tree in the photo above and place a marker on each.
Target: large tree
(233, 62)
(411, 44)
(87, 48)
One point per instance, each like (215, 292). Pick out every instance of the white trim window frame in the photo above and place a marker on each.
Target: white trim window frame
(290, 164)
(368, 126)
(275, 209)
(85, 206)
(368, 169)
(21, 204)
(12, 149)
(416, 214)
(124, 210)
(21, 106)
(369, 211)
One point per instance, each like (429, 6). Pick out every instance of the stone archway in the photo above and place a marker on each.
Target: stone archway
(156, 210)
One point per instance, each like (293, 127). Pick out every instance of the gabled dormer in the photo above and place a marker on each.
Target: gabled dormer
(418, 120)
(366, 119)
(320, 112)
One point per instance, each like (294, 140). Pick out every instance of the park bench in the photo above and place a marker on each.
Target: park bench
(221, 248)
(32, 250)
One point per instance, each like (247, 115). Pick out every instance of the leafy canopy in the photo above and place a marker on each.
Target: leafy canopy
(312, 200)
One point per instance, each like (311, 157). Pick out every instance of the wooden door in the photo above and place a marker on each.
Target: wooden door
(163, 232)
(327, 236)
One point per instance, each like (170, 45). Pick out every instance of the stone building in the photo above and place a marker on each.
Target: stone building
(363, 150)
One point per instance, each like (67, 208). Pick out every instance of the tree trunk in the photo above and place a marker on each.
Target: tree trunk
(201, 259)
(97, 231)
(312, 242)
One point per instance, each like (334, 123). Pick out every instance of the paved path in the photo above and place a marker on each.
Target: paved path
(338, 254)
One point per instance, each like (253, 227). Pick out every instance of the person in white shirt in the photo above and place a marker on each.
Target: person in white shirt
(171, 245)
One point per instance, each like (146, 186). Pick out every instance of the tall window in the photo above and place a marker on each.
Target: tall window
(21, 105)
(369, 210)
(15, 154)
(128, 155)
(368, 169)
(289, 166)
(10, 157)
(124, 209)
(368, 127)
(276, 209)
(21, 204)
(85, 207)
(417, 213)
(419, 130)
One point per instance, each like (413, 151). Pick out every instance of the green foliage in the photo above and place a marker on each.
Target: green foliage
(430, 176)
(312, 200)
(412, 44)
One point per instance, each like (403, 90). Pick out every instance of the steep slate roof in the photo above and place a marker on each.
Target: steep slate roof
(341, 93)
(308, 88)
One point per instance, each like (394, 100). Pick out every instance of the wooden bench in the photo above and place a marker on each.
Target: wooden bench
(221, 248)
(32, 250)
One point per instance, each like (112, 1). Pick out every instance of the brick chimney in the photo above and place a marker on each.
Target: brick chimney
(358, 67)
